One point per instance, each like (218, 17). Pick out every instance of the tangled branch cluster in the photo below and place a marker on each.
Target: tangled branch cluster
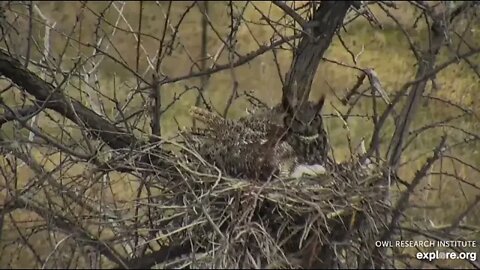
(232, 223)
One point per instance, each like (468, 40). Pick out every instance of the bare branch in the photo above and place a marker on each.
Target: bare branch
(240, 61)
(292, 13)
(55, 100)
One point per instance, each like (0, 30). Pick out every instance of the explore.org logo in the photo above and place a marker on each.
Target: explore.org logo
(446, 255)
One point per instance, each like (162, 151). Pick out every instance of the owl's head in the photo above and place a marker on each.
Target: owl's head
(305, 120)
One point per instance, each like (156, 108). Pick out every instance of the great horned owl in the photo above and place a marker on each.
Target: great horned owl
(287, 143)
(306, 132)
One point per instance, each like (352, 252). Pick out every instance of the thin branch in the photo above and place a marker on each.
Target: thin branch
(240, 61)
(292, 13)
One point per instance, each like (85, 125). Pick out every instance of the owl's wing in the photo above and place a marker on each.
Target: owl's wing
(252, 146)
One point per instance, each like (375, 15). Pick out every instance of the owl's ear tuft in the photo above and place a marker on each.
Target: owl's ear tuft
(319, 105)
(289, 97)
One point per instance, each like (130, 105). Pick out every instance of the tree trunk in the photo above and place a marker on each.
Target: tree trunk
(326, 20)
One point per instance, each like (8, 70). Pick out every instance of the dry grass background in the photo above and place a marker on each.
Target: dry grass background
(384, 50)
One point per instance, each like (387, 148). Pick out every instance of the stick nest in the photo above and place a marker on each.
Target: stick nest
(330, 220)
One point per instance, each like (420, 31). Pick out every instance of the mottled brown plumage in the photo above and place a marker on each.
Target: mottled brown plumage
(263, 144)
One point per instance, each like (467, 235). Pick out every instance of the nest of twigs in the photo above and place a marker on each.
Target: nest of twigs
(326, 221)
